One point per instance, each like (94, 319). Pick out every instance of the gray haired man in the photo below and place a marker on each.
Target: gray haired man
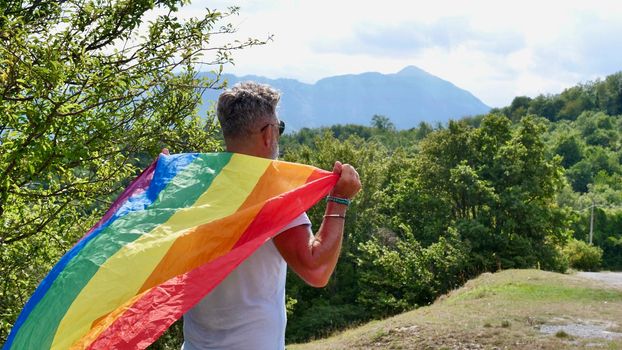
(247, 310)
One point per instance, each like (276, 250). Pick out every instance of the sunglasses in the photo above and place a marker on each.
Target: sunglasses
(281, 126)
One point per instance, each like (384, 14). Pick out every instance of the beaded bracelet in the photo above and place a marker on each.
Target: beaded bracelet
(339, 200)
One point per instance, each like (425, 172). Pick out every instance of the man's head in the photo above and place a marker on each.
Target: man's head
(247, 115)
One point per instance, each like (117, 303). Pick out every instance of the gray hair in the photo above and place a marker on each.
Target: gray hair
(243, 106)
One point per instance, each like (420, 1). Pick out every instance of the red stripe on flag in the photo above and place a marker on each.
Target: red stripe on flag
(270, 214)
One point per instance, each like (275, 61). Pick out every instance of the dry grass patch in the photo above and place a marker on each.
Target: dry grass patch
(506, 310)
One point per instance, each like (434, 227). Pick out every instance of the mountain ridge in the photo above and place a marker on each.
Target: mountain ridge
(407, 97)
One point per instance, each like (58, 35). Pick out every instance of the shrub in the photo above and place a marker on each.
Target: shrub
(403, 275)
(583, 256)
(321, 320)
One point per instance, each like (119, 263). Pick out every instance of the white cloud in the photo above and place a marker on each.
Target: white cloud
(411, 38)
(495, 49)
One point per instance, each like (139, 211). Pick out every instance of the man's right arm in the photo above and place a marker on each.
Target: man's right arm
(314, 257)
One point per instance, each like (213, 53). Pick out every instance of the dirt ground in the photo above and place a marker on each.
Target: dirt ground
(611, 278)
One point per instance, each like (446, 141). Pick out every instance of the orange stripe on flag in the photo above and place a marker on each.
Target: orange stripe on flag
(104, 322)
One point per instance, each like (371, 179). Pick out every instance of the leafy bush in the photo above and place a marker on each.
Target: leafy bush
(399, 274)
(583, 256)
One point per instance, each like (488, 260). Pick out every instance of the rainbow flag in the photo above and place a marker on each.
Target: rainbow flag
(175, 233)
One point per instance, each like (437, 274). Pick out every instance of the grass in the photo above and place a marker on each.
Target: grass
(495, 311)
(541, 291)
(562, 334)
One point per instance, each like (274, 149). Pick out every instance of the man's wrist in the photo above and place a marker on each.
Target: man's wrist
(339, 200)
(335, 208)
(338, 216)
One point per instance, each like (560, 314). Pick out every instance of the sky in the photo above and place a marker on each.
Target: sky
(495, 49)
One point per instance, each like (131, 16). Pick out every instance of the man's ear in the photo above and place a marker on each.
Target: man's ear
(266, 137)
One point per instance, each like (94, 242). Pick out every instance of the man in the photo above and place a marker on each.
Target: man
(247, 310)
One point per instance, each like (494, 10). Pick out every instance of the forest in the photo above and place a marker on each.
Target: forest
(442, 204)
(536, 184)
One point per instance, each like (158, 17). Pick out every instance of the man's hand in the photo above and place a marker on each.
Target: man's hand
(348, 184)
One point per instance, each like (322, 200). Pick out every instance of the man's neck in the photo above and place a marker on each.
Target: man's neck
(245, 149)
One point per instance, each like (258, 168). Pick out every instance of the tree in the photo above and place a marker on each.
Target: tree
(570, 148)
(422, 130)
(89, 93)
(519, 107)
(610, 94)
(497, 188)
(546, 106)
(526, 215)
(382, 123)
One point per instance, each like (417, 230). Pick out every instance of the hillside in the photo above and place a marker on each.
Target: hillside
(408, 97)
(513, 309)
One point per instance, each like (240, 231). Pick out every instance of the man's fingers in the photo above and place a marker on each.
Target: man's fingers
(348, 170)
(349, 184)
(352, 171)
(337, 168)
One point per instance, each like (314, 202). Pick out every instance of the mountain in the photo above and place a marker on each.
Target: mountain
(407, 97)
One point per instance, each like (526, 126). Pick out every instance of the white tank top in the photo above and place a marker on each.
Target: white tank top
(247, 309)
